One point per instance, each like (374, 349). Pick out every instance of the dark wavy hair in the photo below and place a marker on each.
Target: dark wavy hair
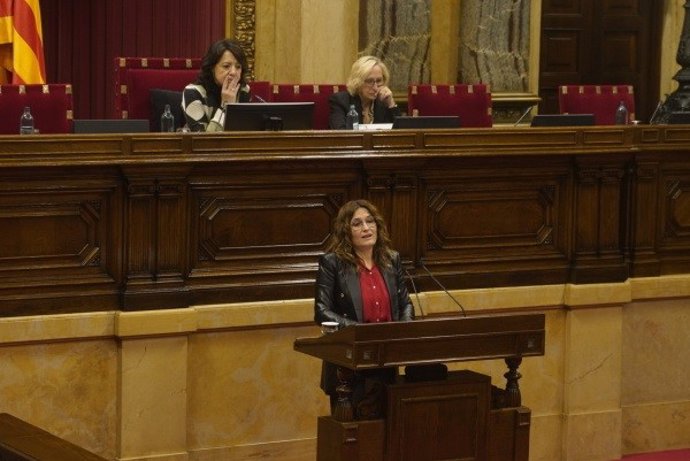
(341, 236)
(213, 55)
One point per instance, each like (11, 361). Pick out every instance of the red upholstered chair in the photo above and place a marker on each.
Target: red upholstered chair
(472, 103)
(316, 93)
(600, 100)
(136, 77)
(51, 107)
(262, 89)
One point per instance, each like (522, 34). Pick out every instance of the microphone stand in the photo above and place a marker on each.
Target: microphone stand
(462, 309)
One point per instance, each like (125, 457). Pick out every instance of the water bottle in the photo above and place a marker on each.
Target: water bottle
(622, 114)
(352, 119)
(26, 122)
(167, 120)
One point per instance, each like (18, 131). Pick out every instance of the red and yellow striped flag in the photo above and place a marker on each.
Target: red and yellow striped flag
(21, 42)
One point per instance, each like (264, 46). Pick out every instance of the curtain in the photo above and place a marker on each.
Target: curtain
(82, 38)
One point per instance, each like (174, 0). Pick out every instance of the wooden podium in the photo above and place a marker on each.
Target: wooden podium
(457, 416)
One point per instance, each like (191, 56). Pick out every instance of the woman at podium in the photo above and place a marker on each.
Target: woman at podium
(360, 280)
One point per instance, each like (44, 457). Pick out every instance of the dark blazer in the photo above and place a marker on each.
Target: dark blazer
(339, 299)
(340, 102)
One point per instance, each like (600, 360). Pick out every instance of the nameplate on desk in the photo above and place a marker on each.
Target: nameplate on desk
(375, 126)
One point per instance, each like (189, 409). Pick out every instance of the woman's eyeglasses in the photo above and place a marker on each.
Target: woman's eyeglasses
(358, 224)
(373, 81)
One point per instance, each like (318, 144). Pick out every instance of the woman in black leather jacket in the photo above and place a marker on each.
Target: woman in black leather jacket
(360, 280)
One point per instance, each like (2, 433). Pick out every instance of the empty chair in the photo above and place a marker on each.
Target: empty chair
(471, 102)
(600, 100)
(316, 93)
(50, 104)
(143, 86)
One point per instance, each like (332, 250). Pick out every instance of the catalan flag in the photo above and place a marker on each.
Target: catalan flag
(21, 42)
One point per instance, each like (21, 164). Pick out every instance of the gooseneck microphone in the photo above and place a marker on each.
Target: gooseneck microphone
(524, 114)
(259, 98)
(462, 309)
(416, 294)
(652, 119)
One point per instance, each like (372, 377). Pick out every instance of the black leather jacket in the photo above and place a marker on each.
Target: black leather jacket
(339, 299)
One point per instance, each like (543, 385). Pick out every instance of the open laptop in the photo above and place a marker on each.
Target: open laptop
(113, 125)
(427, 121)
(563, 120)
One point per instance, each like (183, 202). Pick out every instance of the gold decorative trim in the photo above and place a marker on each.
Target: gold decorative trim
(245, 30)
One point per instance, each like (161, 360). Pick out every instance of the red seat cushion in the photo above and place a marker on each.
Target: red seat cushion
(600, 100)
(472, 103)
(51, 107)
(316, 93)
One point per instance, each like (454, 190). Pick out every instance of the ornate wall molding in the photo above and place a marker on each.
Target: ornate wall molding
(244, 29)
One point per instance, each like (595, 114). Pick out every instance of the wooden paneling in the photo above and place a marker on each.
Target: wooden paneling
(60, 233)
(160, 221)
(455, 413)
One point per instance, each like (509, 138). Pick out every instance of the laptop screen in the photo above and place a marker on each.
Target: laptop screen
(269, 116)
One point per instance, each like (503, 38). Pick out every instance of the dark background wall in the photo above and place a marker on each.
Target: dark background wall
(82, 38)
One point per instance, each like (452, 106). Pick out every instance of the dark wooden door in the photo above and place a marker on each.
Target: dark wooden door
(601, 42)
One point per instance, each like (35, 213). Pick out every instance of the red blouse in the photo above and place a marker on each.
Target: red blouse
(376, 304)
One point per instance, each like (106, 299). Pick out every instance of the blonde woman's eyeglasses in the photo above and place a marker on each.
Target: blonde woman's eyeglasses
(373, 81)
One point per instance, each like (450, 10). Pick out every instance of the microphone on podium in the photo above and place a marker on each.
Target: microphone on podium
(462, 309)
(416, 294)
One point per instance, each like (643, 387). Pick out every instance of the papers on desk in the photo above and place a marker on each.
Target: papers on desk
(375, 126)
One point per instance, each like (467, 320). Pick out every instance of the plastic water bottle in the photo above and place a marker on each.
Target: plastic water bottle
(352, 119)
(622, 114)
(26, 122)
(167, 120)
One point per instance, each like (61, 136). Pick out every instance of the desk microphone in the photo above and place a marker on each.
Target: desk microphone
(414, 288)
(524, 114)
(462, 309)
(259, 98)
(652, 119)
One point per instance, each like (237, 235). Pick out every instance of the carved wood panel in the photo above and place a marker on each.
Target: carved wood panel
(511, 219)
(674, 217)
(159, 221)
(455, 416)
(56, 235)
(253, 227)
(599, 222)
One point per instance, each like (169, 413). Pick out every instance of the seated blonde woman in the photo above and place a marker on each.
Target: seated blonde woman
(367, 90)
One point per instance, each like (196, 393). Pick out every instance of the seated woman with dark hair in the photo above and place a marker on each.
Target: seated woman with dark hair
(222, 80)
(367, 90)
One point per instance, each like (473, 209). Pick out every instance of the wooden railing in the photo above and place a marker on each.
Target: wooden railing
(21, 441)
(95, 222)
